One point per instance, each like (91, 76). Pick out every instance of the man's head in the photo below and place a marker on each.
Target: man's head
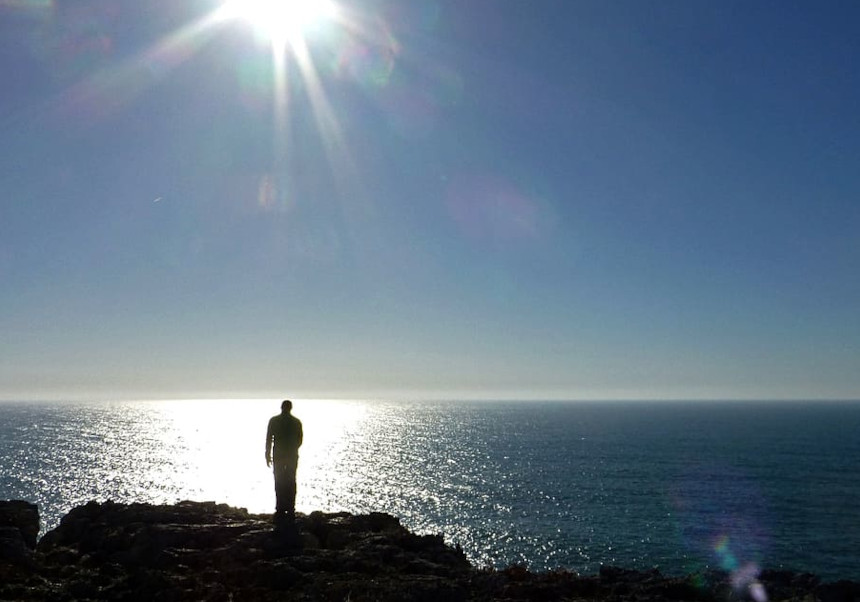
(286, 406)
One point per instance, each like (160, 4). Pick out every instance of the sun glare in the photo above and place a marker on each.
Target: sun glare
(281, 21)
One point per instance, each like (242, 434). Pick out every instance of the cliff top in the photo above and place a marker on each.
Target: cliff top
(214, 552)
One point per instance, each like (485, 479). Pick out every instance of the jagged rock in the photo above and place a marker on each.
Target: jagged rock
(841, 591)
(211, 552)
(22, 516)
(13, 550)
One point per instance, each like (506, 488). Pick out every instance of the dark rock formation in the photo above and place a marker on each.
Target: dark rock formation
(23, 517)
(204, 551)
(19, 527)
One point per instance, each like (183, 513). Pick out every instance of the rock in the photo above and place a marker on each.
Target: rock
(13, 549)
(212, 552)
(205, 551)
(22, 516)
(841, 591)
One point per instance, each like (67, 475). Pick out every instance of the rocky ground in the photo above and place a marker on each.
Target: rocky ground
(204, 551)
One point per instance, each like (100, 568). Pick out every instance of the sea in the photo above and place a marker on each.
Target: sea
(678, 486)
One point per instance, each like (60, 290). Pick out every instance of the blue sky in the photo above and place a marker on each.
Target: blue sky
(438, 199)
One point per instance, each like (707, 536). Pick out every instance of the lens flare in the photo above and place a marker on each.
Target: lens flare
(719, 513)
(368, 60)
(488, 207)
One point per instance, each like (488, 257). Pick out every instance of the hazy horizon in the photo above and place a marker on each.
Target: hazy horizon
(301, 401)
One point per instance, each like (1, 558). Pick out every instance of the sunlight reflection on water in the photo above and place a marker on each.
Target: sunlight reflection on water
(219, 450)
(546, 485)
(64, 455)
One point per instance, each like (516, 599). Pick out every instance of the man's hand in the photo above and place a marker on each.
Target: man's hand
(268, 461)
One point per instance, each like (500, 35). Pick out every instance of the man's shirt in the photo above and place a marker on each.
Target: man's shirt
(285, 433)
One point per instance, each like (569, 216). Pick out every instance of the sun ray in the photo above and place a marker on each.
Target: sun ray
(287, 25)
(324, 117)
(106, 91)
(281, 100)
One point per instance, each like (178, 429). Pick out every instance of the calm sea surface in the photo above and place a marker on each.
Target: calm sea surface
(678, 486)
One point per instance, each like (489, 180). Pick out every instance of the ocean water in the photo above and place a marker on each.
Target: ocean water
(677, 486)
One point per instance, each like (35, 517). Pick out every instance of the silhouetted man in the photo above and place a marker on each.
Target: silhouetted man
(283, 438)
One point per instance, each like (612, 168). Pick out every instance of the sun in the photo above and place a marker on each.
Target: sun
(282, 22)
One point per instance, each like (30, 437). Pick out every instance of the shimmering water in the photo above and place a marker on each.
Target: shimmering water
(679, 486)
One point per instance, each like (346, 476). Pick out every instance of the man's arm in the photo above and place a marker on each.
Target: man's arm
(269, 437)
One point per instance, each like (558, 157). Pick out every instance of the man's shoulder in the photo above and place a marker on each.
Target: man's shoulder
(285, 419)
(278, 422)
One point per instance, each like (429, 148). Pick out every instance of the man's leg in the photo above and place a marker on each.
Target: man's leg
(285, 487)
(290, 486)
(290, 493)
(282, 489)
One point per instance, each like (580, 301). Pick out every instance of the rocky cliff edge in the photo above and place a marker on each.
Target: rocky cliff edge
(213, 552)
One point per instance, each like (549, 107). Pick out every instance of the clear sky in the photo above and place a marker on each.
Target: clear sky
(430, 198)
